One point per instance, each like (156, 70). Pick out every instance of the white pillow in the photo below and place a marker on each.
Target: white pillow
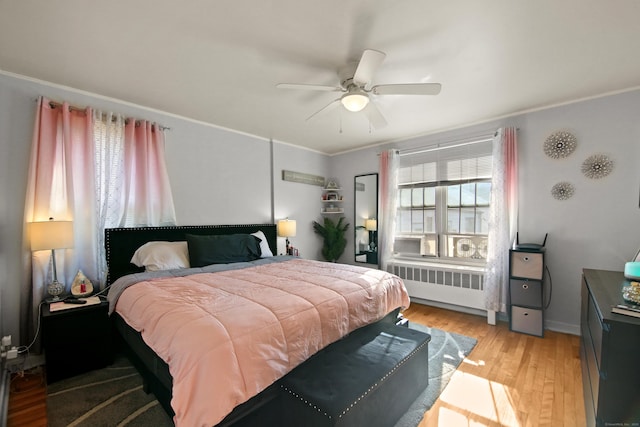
(154, 256)
(264, 245)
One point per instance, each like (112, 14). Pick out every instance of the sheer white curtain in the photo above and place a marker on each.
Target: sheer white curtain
(503, 218)
(109, 181)
(88, 167)
(389, 166)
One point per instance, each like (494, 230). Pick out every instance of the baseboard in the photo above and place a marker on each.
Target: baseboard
(459, 308)
(565, 328)
(24, 363)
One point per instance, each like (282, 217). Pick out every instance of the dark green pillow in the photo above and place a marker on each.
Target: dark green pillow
(223, 249)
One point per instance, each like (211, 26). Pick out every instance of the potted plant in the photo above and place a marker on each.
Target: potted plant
(333, 235)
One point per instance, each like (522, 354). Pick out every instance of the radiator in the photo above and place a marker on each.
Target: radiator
(449, 284)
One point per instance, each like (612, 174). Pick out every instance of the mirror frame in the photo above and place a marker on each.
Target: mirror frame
(370, 256)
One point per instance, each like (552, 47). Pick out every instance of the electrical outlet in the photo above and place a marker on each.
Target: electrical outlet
(5, 345)
(12, 354)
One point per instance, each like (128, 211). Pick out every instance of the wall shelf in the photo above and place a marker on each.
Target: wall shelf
(332, 200)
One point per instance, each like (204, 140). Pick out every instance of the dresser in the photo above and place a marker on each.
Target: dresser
(609, 353)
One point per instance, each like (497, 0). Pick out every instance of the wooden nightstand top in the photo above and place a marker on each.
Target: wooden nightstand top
(46, 312)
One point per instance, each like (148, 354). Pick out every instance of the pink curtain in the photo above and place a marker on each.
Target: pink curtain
(389, 164)
(62, 137)
(147, 190)
(90, 168)
(503, 217)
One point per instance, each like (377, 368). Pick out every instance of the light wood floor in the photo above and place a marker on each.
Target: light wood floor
(509, 379)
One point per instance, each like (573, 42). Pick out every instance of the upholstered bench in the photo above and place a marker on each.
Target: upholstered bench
(368, 378)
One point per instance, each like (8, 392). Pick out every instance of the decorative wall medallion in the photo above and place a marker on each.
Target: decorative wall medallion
(560, 144)
(597, 166)
(562, 190)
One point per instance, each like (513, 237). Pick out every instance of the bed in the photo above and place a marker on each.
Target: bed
(212, 340)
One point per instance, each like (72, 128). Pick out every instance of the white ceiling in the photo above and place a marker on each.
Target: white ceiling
(219, 61)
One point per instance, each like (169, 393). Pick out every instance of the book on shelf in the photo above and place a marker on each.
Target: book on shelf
(626, 310)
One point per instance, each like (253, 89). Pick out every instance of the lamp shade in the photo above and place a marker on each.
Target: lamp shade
(371, 224)
(286, 228)
(51, 235)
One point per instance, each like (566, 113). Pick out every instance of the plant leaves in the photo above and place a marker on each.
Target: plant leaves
(333, 235)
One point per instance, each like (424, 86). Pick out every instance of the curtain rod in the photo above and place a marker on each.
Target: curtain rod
(54, 104)
(442, 146)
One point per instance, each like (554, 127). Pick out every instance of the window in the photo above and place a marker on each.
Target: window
(443, 202)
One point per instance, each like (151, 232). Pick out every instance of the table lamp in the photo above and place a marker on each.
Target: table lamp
(371, 225)
(287, 228)
(52, 235)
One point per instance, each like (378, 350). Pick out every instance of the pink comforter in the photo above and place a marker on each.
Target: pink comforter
(226, 336)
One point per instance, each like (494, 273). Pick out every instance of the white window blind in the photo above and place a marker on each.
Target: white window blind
(443, 165)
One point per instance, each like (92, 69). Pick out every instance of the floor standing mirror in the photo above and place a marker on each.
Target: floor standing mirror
(366, 218)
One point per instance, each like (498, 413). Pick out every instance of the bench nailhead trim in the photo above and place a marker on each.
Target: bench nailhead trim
(374, 386)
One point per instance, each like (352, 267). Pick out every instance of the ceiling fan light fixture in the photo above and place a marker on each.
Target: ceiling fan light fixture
(355, 101)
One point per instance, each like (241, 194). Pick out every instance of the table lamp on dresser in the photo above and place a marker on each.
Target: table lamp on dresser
(52, 235)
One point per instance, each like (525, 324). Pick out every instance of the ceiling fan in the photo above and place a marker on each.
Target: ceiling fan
(355, 80)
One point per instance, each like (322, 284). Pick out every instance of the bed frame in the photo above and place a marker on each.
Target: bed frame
(120, 245)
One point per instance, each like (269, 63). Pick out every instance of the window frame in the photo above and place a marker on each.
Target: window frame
(440, 178)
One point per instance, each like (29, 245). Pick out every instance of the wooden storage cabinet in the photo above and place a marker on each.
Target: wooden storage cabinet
(76, 340)
(526, 274)
(609, 352)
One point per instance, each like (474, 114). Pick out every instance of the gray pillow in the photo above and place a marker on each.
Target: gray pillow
(222, 249)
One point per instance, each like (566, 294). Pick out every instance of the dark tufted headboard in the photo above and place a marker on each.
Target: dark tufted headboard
(121, 243)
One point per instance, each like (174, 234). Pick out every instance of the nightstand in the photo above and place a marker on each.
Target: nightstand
(76, 340)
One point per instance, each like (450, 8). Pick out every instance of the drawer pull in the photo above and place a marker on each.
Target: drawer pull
(525, 286)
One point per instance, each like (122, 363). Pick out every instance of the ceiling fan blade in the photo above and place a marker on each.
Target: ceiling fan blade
(369, 63)
(309, 87)
(374, 115)
(333, 104)
(408, 89)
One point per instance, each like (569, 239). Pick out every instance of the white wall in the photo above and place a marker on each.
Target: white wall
(296, 201)
(217, 177)
(599, 227)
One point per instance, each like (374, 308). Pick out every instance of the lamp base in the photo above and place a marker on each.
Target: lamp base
(54, 289)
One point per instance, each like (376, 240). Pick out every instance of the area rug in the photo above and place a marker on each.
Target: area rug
(107, 397)
(446, 351)
(114, 397)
